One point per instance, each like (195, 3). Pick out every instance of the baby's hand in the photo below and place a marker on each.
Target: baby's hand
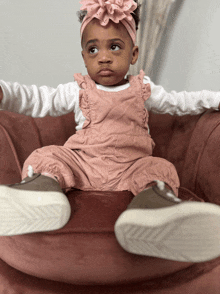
(1, 94)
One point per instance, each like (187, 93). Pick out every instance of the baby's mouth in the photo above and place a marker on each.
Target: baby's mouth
(105, 72)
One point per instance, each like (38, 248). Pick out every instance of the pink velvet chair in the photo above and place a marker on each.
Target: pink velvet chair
(84, 256)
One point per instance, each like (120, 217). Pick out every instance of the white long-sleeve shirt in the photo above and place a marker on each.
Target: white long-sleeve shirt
(42, 101)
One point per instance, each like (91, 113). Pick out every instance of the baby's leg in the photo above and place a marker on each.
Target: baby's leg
(145, 171)
(53, 161)
(38, 203)
(157, 223)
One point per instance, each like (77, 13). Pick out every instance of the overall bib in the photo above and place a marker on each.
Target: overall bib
(113, 151)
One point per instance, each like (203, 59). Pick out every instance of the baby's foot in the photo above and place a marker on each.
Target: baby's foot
(156, 223)
(36, 204)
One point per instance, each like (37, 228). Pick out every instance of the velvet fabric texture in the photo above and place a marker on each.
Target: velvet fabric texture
(84, 256)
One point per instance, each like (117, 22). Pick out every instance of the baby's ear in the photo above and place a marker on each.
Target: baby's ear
(84, 58)
(135, 54)
(82, 52)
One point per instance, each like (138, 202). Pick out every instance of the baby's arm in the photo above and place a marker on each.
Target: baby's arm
(38, 101)
(181, 103)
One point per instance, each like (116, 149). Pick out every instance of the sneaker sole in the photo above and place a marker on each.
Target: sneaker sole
(188, 232)
(23, 212)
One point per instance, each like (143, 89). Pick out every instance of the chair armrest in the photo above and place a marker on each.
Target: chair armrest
(201, 172)
(172, 135)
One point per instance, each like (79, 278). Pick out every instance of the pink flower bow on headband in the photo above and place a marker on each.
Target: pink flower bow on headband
(115, 10)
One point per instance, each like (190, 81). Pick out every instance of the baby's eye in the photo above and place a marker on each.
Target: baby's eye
(115, 47)
(93, 50)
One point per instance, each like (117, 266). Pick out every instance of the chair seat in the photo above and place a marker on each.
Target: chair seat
(86, 251)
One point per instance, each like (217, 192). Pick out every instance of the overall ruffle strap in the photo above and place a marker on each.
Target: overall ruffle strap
(83, 82)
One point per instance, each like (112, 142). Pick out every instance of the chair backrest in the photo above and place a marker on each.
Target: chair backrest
(20, 135)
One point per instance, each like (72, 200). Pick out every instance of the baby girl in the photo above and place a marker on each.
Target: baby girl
(112, 148)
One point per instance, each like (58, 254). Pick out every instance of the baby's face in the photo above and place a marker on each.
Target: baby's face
(108, 52)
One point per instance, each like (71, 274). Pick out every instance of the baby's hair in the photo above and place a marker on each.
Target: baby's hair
(136, 14)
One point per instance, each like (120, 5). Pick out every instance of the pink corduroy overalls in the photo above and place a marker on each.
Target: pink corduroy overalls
(113, 151)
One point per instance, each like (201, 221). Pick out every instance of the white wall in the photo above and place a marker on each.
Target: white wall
(192, 58)
(40, 44)
(40, 41)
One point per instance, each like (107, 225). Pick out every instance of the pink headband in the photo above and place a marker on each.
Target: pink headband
(115, 10)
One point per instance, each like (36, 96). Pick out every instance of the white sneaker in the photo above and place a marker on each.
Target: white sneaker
(156, 223)
(37, 204)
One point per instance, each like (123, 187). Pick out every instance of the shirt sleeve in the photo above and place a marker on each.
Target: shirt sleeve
(180, 103)
(39, 101)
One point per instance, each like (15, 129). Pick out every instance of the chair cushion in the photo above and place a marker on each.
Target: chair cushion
(86, 251)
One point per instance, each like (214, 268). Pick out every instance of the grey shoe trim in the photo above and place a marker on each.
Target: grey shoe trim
(153, 197)
(38, 183)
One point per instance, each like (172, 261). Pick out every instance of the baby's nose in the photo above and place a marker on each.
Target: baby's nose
(105, 57)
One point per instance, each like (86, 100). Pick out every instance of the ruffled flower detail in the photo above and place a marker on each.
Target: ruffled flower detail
(146, 93)
(83, 98)
(105, 10)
